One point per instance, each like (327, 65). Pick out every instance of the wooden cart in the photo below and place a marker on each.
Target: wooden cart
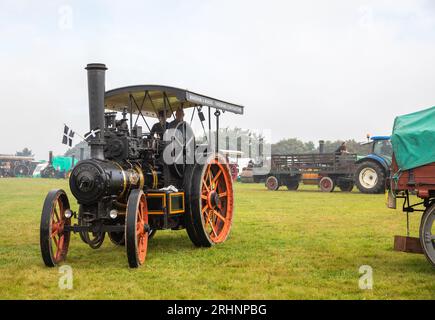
(328, 170)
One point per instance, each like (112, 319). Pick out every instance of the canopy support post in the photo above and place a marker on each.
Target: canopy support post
(217, 113)
(131, 113)
(209, 127)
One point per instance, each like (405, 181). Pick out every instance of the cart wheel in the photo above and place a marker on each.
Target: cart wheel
(54, 240)
(21, 170)
(210, 208)
(272, 183)
(326, 184)
(346, 186)
(427, 233)
(93, 239)
(136, 228)
(292, 185)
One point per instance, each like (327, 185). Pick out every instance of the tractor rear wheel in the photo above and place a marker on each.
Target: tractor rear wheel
(370, 177)
(54, 240)
(272, 183)
(136, 228)
(326, 184)
(427, 233)
(210, 202)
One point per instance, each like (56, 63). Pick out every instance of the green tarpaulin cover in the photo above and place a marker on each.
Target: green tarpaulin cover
(413, 139)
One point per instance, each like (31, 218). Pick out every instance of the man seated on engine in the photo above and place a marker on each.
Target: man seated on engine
(160, 127)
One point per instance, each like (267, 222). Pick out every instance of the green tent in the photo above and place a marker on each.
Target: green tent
(413, 139)
(63, 163)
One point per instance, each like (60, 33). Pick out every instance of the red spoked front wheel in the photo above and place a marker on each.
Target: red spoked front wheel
(136, 228)
(211, 203)
(326, 184)
(54, 239)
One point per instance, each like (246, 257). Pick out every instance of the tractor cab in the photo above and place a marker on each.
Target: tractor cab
(381, 147)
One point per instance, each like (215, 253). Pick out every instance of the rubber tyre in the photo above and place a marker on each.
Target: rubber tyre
(379, 187)
(426, 229)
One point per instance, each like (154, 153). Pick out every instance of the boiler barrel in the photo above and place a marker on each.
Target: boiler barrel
(92, 180)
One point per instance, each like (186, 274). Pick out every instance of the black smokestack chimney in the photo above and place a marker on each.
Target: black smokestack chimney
(96, 90)
(321, 146)
(50, 157)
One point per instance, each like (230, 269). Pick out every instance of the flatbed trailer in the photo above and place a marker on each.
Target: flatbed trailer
(327, 170)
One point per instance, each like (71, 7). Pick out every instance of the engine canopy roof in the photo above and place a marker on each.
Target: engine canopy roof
(150, 99)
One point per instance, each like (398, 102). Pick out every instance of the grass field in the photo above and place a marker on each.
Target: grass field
(283, 245)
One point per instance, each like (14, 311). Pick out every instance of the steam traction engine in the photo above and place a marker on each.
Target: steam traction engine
(128, 189)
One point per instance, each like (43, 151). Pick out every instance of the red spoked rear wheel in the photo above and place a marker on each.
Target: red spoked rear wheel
(54, 240)
(136, 228)
(211, 203)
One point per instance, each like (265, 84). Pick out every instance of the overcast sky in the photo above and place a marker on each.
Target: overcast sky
(307, 69)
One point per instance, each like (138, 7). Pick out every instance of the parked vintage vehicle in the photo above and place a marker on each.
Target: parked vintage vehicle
(413, 172)
(328, 170)
(128, 189)
(16, 166)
